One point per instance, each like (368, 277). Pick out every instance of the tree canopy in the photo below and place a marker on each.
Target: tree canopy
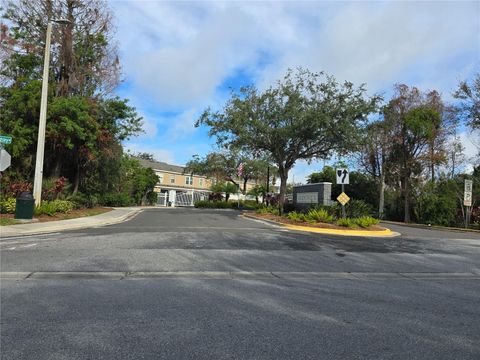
(305, 115)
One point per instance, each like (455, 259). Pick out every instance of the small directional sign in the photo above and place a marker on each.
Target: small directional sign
(5, 159)
(467, 195)
(343, 198)
(343, 176)
(4, 139)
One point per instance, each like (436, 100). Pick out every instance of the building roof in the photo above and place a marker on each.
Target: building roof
(161, 166)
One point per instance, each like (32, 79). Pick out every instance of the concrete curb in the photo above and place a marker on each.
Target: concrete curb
(71, 224)
(341, 232)
(431, 227)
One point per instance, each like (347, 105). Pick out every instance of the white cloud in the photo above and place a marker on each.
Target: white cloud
(471, 143)
(149, 127)
(177, 56)
(158, 154)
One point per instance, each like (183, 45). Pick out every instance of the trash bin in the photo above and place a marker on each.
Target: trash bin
(24, 206)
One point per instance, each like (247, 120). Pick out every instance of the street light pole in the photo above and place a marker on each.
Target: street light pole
(37, 183)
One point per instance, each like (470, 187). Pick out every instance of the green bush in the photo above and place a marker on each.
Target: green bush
(152, 198)
(288, 207)
(50, 208)
(202, 204)
(117, 199)
(63, 206)
(295, 216)
(213, 204)
(83, 200)
(365, 221)
(7, 206)
(354, 209)
(347, 222)
(268, 210)
(320, 215)
(246, 205)
(436, 204)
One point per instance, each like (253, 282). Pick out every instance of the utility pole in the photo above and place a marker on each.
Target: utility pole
(37, 182)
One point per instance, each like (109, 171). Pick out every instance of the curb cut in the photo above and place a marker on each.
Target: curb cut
(341, 232)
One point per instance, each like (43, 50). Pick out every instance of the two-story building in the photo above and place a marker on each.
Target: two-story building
(182, 189)
(175, 186)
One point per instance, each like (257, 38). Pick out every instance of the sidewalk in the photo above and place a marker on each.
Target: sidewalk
(115, 216)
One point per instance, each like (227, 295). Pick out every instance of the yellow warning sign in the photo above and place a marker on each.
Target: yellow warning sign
(343, 198)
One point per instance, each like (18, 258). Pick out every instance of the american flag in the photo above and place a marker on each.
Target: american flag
(240, 169)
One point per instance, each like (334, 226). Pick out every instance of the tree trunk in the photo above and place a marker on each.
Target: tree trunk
(76, 182)
(283, 188)
(381, 202)
(406, 218)
(57, 168)
(245, 185)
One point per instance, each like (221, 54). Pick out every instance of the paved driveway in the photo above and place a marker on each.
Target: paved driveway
(206, 284)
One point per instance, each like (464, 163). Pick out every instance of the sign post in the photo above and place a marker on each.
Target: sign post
(467, 200)
(343, 178)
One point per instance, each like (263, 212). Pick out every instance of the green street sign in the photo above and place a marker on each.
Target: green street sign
(5, 139)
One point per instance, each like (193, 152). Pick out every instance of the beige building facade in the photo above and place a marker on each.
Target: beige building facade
(178, 188)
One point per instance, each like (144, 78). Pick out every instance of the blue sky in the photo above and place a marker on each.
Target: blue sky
(180, 57)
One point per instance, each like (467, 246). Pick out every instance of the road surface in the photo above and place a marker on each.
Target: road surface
(210, 284)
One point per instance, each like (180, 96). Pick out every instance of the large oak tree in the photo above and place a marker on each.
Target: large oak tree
(306, 115)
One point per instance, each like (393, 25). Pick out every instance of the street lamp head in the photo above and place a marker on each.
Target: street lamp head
(62, 21)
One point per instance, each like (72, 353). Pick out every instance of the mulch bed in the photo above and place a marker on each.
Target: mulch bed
(77, 213)
(284, 220)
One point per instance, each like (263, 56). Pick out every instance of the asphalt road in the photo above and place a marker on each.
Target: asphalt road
(205, 284)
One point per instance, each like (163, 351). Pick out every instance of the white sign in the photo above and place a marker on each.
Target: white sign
(467, 195)
(343, 177)
(307, 198)
(5, 159)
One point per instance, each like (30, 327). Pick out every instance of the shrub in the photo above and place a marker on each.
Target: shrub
(7, 206)
(320, 215)
(46, 207)
(50, 208)
(16, 189)
(152, 198)
(215, 196)
(365, 221)
(213, 204)
(347, 222)
(84, 200)
(354, 209)
(246, 205)
(202, 204)
(268, 210)
(51, 188)
(295, 216)
(63, 206)
(288, 207)
(436, 204)
(117, 199)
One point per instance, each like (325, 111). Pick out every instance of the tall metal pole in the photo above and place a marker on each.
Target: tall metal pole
(344, 215)
(37, 184)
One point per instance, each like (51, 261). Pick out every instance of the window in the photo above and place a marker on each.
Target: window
(160, 177)
(172, 179)
(188, 180)
(200, 182)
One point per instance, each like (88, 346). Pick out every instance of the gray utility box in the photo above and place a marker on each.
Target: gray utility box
(304, 196)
